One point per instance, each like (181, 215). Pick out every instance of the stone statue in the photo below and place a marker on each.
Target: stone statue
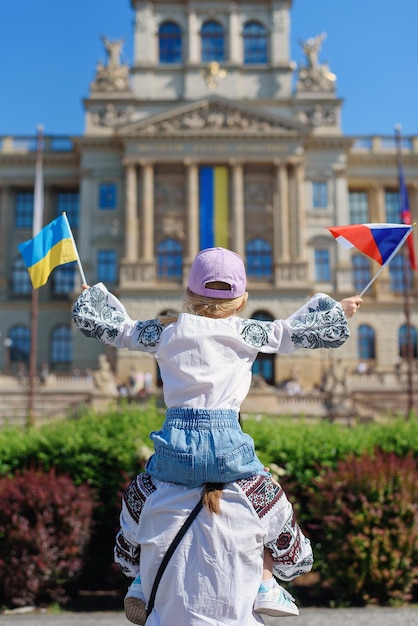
(114, 76)
(113, 49)
(315, 76)
(104, 380)
(311, 48)
(337, 399)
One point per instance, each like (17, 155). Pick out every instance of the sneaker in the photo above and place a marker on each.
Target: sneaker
(135, 606)
(275, 601)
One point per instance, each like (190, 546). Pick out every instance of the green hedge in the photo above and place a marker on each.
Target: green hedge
(105, 451)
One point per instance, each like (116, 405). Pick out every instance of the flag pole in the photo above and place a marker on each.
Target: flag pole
(388, 260)
(83, 278)
(38, 209)
(407, 258)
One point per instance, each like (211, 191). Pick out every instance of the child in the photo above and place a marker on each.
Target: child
(205, 355)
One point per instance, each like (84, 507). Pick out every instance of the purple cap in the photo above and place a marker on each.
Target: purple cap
(218, 264)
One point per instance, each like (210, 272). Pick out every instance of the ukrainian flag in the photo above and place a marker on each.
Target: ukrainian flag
(52, 246)
(213, 206)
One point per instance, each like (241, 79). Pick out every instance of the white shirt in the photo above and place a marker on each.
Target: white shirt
(205, 362)
(214, 574)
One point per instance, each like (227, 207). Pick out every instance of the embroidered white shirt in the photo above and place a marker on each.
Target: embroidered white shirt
(205, 362)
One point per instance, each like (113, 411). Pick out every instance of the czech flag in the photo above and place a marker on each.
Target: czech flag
(378, 241)
(52, 246)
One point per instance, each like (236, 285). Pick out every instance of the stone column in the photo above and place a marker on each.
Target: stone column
(6, 215)
(131, 214)
(297, 223)
(235, 51)
(193, 46)
(376, 198)
(282, 242)
(280, 26)
(147, 212)
(344, 273)
(238, 226)
(192, 181)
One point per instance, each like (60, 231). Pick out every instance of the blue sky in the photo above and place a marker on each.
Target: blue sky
(49, 50)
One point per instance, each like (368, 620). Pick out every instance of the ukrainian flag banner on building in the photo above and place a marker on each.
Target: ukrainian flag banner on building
(52, 246)
(213, 206)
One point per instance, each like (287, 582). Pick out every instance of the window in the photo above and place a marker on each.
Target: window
(61, 347)
(106, 266)
(319, 194)
(322, 265)
(24, 209)
(259, 259)
(366, 342)
(361, 271)
(20, 346)
(107, 196)
(63, 279)
(169, 37)
(359, 207)
(407, 341)
(255, 43)
(68, 202)
(213, 44)
(263, 366)
(20, 283)
(400, 274)
(169, 259)
(392, 207)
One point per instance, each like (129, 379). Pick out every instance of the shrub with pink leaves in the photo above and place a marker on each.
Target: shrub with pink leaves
(45, 526)
(364, 527)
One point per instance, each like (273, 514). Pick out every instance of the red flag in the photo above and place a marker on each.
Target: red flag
(404, 209)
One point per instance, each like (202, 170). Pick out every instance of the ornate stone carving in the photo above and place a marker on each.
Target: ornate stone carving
(315, 76)
(114, 76)
(318, 115)
(213, 74)
(111, 116)
(213, 117)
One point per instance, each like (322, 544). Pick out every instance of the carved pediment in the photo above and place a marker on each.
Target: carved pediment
(213, 116)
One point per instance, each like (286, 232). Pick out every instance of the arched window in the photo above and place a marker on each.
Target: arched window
(366, 342)
(407, 341)
(400, 274)
(361, 271)
(212, 41)
(264, 365)
(169, 39)
(255, 43)
(20, 283)
(61, 352)
(169, 259)
(63, 279)
(20, 346)
(259, 259)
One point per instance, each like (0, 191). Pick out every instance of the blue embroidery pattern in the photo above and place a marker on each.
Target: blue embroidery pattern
(255, 333)
(94, 317)
(322, 327)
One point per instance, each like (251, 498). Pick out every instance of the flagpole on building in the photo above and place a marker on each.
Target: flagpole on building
(38, 209)
(407, 259)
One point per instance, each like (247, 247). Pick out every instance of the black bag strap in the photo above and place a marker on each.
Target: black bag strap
(170, 552)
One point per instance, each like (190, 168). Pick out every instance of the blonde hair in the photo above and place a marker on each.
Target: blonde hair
(212, 493)
(217, 308)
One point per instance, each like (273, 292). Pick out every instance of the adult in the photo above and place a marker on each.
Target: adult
(213, 577)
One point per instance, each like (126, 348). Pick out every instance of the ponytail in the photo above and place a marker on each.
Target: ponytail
(212, 493)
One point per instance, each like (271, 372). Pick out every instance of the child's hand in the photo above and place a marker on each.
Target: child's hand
(84, 286)
(351, 305)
